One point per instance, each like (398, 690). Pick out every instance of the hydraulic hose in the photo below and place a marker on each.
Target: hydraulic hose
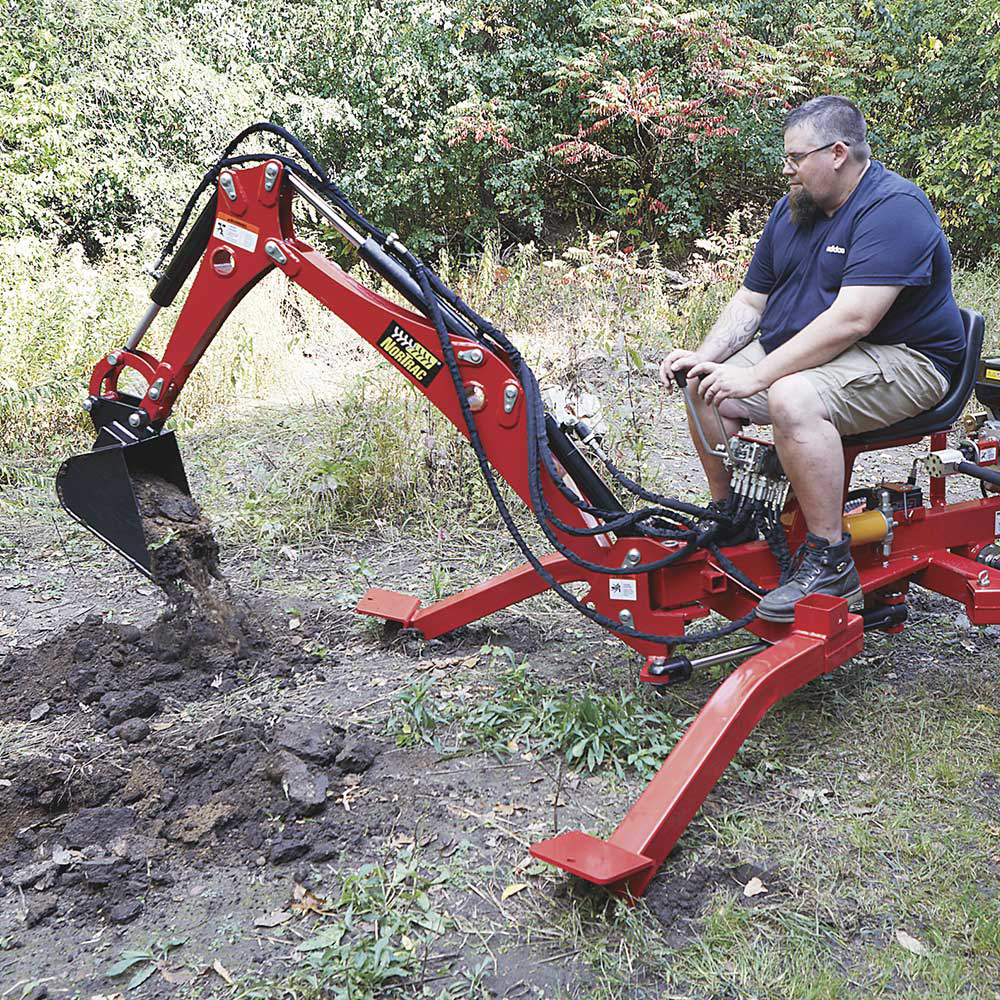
(978, 472)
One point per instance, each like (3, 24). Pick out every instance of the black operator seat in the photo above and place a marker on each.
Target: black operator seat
(945, 413)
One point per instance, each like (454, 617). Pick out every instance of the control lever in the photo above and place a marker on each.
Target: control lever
(722, 451)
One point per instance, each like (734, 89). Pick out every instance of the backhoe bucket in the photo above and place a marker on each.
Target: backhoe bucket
(97, 489)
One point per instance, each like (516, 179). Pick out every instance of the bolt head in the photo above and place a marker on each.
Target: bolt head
(134, 420)
(625, 617)
(112, 359)
(87, 404)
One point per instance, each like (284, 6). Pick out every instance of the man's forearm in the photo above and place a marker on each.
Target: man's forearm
(733, 330)
(827, 336)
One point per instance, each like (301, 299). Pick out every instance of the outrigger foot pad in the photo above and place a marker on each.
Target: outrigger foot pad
(590, 857)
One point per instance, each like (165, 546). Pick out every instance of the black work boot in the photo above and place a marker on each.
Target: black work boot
(822, 569)
(730, 533)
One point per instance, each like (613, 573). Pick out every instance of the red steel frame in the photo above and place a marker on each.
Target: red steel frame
(933, 546)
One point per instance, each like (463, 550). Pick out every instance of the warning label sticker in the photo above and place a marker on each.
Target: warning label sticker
(622, 590)
(988, 455)
(410, 355)
(992, 373)
(238, 234)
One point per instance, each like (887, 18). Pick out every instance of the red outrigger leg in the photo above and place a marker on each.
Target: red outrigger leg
(823, 636)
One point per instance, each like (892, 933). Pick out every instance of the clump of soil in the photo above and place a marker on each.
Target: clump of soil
(180, 539)
(184, 554)
(114, 673)
(97, 832)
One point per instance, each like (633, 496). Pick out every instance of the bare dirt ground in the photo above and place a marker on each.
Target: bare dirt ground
(161, 781)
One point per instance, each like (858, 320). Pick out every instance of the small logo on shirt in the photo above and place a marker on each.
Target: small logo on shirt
(833, 248)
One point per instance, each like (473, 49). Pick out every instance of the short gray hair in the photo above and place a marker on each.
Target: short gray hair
(833, 117)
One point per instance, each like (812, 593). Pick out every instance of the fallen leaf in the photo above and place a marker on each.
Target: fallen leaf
(177, 976)
(512, 890)
(272, 919)
(818, 795)
(988, 709)
(294, 622)
(63, 857)
(407, 942)
(754, 887)
(509, 809)
(308, 902)
(39, 711)
(448, 848)
(910, 943)
(222, 972)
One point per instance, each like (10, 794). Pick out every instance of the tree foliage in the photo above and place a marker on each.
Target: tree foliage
(447, 118)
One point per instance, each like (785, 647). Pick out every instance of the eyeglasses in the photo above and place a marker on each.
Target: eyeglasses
(792, 160)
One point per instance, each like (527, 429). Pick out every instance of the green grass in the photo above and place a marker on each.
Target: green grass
(518, 713)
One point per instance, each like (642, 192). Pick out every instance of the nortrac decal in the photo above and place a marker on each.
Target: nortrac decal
(410, 355)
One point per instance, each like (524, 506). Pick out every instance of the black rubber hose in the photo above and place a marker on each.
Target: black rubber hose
(978, 472)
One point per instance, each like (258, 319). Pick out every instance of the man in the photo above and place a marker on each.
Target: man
(850, 292)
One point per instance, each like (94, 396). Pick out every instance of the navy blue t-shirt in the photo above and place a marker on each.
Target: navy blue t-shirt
(886, 233)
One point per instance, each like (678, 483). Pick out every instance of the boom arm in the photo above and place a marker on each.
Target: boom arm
(247, 231)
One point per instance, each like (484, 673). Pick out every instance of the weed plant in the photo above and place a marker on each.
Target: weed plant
(374, 939)
(591, 729)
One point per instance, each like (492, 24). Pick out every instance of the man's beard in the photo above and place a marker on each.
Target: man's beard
(802, 207)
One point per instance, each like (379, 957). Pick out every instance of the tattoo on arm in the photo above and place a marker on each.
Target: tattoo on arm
(733, 330)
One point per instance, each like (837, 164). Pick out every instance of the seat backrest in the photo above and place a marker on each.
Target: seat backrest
(941, 416)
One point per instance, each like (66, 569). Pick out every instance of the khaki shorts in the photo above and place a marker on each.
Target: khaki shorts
(867, 387)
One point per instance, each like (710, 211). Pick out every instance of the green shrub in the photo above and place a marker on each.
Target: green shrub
(446, 119)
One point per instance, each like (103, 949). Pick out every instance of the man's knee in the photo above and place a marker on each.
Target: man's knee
(794, 400)
(735, 409)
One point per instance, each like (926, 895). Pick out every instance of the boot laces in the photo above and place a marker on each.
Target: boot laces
(807, 564)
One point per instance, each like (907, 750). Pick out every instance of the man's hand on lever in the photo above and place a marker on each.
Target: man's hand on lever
(678, 360)
(720, 381)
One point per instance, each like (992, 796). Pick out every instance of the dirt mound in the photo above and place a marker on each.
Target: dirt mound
(118, 673)
(98, 832)
(98, 825)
